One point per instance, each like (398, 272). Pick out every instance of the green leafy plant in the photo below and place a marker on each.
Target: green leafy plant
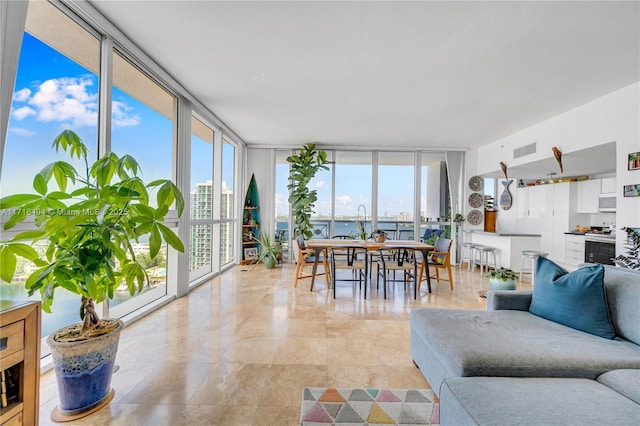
(503, 274)
(270, 249)
(304, 167)
(88, 221)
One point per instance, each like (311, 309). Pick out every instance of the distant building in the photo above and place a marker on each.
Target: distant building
(201, 236)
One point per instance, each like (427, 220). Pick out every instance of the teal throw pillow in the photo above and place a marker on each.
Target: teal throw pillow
(576, 299)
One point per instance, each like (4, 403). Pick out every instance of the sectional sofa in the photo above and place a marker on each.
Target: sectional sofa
(517, 364)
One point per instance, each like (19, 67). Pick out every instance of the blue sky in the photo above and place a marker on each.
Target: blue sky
(53, 93)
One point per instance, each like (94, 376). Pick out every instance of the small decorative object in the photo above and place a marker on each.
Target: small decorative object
(558, 155)
(475, 200)
(251, 253)
(474, 217)
(632, 190)
(631, 259)
(476, 183)
(505, 197)
(504, 169)
(379, 235)
(634, 161)
(502, 279)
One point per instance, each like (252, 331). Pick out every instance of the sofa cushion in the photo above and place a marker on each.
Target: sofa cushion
(623, 296)
(514, 343)
(576, 299)
(625, 382)
(533, 401)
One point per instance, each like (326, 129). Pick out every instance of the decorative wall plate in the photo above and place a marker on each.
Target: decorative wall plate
(476, 183)
(475, 200)
(475, 217)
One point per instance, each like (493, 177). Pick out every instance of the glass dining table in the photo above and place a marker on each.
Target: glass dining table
(320, 245)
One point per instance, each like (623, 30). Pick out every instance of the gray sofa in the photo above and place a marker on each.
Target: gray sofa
(507, 366)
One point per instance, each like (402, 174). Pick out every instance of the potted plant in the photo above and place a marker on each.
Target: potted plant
(502, 279)
(304, 167)
(88, 221)
(270, 250)
(379, 235)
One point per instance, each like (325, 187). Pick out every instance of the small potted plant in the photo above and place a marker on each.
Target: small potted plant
(502, 279)
(379, 235)
(88, 221)
(270, 250)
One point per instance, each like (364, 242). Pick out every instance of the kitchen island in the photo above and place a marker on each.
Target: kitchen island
(508, 245)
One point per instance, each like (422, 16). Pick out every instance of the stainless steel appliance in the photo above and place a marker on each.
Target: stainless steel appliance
(607, 203)
(599, 248)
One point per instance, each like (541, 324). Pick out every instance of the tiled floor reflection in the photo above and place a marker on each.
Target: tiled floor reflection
(239, 349)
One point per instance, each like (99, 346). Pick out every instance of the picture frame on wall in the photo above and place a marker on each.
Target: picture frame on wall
(632, 190)
(634, 161)
(251, 253)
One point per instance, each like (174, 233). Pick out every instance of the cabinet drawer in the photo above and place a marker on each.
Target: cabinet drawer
(575, 245)
(11, 338)
(14, 421)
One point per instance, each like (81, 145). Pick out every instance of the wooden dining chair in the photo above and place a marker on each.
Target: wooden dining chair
(440, 258)
(305, 258)
(351, 258)
(398, 259)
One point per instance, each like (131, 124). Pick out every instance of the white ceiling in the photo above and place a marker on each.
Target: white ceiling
(388, 74)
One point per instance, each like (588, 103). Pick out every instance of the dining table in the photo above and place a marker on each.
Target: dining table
(319, 245)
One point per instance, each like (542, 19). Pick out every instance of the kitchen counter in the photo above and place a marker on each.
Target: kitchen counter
(508, 245)
(502, 234)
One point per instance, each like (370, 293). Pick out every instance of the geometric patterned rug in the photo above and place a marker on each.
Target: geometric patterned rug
(323, 406)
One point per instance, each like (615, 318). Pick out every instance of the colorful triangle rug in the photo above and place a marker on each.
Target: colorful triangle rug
(322, 406)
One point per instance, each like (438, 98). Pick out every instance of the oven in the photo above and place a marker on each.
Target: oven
(599, 248)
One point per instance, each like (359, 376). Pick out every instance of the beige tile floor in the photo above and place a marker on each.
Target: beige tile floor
(239, 349)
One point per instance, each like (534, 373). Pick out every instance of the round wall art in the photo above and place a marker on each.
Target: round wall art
(475, 217)
(475, 200)
(476, 183)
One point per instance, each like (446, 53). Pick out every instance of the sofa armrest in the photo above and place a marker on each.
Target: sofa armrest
(515, 300)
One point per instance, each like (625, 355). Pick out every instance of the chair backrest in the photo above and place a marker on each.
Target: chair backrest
(443, 245)
(301, 243)
(397, 255)
(342, 237)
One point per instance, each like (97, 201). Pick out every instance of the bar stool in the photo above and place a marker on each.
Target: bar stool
(483, 257)
(532, 256)
(469, 257)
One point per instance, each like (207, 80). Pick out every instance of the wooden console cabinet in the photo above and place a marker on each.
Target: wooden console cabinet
(19, 362)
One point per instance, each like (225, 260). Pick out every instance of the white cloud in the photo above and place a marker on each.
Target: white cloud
(23, 112)
(22, 95)
(321, 184)
(120, 115)
(21, 132)
(71, 101)
(343, 200)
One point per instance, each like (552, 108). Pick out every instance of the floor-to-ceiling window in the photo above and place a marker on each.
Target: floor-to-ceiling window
(396, 177)
(201, 200)
(228, 220)
(282, 198)
(433, 195)
(352, 197)
(143, 116)
(56, 88)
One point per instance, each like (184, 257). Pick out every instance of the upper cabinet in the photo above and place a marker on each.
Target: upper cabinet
(590, 190)
(608, 185)
(588, 193)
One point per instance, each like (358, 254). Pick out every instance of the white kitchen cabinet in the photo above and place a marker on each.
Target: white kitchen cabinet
(558, 217)
(574, 251)
(530, 201)
(588, 193)
(608, 185)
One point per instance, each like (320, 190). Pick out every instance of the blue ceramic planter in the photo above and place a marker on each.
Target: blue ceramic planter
(499, 284)
(83, 370)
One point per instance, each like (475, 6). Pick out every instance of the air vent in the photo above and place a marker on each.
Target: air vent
(524, 150)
